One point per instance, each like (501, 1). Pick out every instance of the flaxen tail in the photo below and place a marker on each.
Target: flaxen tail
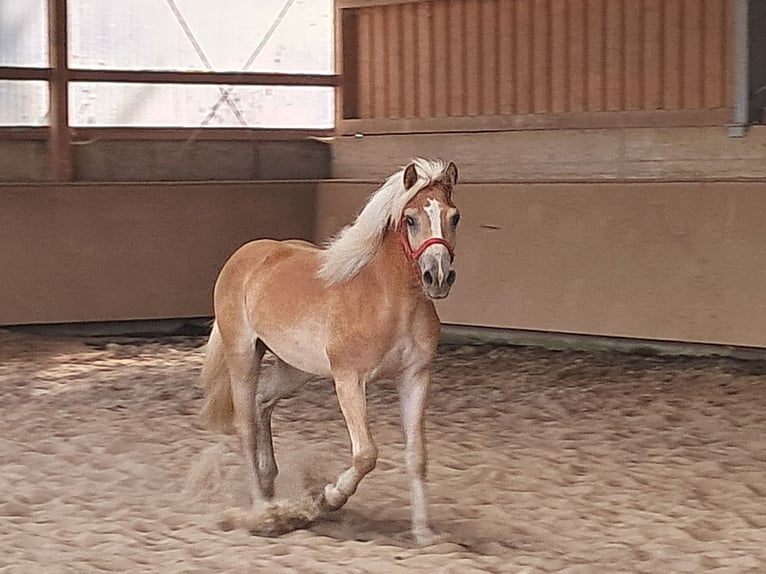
(218, 409)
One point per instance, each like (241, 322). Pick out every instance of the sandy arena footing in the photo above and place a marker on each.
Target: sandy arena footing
(540, 461)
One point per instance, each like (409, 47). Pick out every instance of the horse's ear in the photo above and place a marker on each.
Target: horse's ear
(450, 174)
(410, 176)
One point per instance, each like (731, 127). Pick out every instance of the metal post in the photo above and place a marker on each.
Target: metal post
(59, 137)
(738, 127)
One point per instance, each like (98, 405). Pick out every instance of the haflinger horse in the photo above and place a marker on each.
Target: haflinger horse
(354, 310)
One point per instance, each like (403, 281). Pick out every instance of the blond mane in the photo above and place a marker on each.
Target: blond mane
(355, 246)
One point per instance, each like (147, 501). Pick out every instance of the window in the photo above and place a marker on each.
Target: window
(24, 33)
(267, 37)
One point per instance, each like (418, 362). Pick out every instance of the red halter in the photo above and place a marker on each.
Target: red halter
(415, 255)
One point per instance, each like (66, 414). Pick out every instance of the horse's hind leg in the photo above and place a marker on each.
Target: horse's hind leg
(243, 361)
(276, 383)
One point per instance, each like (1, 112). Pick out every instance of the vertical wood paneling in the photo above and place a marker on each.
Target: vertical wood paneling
(394, 60)
(595, 63)
(364, 45)
(541, 57)
(653, 55)
(673, 73)
(348, 100)
(441, 87)
(439, 26)
(426, 77)
(410, 84)
(524, 75)
(614, 55)
(489, 57)
(728, 58)
(472, 42)
(379, 72)
(457, 93)
(560, 61)
(713, 64)
(692, 59)
(484, 57)
(634, 29)
(577, 49)
(506, 60)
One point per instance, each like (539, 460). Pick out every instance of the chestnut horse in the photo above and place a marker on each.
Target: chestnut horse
(358, 309)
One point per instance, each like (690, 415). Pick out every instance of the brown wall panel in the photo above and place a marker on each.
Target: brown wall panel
(442, 61)
(393, 41)
(469, 58)
(457, 80)
(364, 48)
(633, 46)
(506, 60)
(379, 72)
(541, 57)
(425, 80)
(524, 63)
(596, 57)
(713, 55)
(110, 252)
(644, 260)
(672, 70)
(489, 34)
(560, 61)
(472, 44)
(653, 54)
(692, 57)
(577, 54)
(614, 53)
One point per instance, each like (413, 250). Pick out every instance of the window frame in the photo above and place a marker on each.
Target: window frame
(61, 136)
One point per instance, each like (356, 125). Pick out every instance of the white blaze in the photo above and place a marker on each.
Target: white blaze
(434, 211)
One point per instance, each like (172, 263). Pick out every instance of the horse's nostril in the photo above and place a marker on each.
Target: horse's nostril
(451, 276)
(428, 278)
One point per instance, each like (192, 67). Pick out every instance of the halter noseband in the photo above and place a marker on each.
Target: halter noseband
(414, 255)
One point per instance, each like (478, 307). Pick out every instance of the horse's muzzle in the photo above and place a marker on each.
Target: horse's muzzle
(436, 272)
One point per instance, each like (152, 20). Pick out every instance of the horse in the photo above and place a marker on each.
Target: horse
(354, 310)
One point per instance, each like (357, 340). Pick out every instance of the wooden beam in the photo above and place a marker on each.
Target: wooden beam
(170, 77)
(90, 134)
(343, 4)
(26, 133)
(561, 121)
(59, 141)
(231, 78)
(15, 73)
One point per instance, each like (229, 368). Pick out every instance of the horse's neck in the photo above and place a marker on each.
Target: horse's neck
(394, 269)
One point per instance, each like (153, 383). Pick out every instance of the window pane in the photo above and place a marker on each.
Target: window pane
(23, 103)
(168, 105)
(237, 35)
(23, 33)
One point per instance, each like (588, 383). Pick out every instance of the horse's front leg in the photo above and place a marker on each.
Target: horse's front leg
(413, 394)
(353, 403)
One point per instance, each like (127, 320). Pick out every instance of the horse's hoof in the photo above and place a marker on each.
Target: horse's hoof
(329, 499)
(424, 537)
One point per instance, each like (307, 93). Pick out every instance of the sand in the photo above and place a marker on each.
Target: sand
(540, 461)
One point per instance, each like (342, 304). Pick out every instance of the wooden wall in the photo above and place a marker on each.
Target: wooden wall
(652, 260)
(474, 58)
(115, 252)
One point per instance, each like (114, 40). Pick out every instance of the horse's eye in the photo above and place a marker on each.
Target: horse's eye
(409, 220)
(455, 219)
